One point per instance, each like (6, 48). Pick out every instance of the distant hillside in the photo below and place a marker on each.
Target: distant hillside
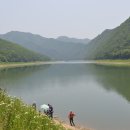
(10, 52)
(74, 40)
(111, 44)
(51, 47)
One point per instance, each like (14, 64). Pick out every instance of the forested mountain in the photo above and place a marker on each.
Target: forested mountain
(74, 40)
(111, 44)
(10, 52)
(53, 48)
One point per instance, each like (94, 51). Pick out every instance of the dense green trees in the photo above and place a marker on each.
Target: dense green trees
(111, 44)
(10, 52)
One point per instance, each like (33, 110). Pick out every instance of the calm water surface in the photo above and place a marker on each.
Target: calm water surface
(99, 95)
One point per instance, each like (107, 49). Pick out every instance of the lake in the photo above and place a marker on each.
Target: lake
(99, 95)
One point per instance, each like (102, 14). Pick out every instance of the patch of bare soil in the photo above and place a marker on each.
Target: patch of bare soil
(68, 127)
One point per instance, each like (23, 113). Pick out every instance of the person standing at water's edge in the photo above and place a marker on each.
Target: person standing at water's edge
(71, 118)
(50, 110)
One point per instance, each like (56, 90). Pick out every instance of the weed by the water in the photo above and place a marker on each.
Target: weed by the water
(15, 115)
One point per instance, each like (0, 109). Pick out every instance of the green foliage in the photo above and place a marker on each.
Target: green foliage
(10, 52)
(15, 115)
(111, 44)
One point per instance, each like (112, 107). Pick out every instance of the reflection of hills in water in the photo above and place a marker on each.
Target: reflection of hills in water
(10, 76)
(113, 79)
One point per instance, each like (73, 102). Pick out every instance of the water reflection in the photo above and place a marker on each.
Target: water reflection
(14, 78)
(92, 91)
(115, 79)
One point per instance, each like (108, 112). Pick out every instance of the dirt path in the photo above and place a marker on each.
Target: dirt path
(68, 127)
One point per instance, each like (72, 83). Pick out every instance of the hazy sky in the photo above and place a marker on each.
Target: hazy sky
(52, 18)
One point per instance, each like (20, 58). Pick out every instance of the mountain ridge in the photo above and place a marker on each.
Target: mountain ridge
(111, 43)
(72, 39)
(11, 52)
(53, 48)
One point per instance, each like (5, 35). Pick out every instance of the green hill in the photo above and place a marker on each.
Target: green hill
(58, 49)
(111, 44)
(10, 52)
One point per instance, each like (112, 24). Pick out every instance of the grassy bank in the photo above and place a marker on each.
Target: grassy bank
(19, 64)
(113, 62)
(15, 115)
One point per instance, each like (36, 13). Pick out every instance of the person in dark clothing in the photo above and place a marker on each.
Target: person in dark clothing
(50, 111)
(34, 106)
(71, 118)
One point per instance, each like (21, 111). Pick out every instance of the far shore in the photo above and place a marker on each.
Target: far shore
(113, 62)
(20, 64)
(38, 63)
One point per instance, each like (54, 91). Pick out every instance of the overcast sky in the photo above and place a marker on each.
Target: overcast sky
(52, 18)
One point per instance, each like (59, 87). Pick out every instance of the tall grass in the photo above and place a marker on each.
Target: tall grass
(15, 115)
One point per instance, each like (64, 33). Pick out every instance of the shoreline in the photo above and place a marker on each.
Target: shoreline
(67, 126)
(15, 64)
(118, 63)
(38, 63)
(20, 64)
